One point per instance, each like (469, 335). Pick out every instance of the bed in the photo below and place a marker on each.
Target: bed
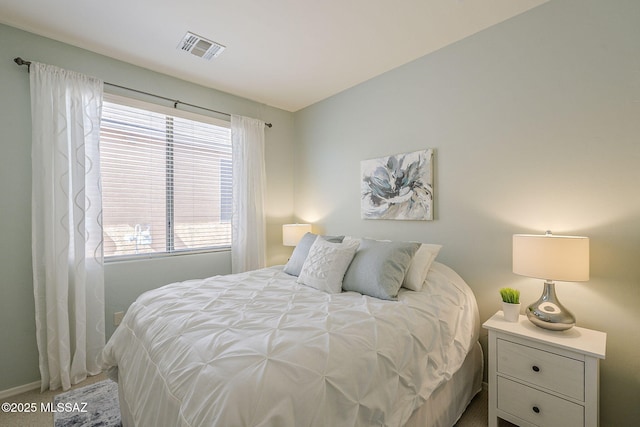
(261, 349)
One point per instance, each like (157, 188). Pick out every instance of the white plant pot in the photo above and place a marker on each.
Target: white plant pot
(511, 311)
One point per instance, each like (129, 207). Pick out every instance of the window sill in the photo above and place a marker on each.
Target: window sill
(149, 256)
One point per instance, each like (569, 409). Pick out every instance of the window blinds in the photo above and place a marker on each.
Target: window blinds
(166, 182)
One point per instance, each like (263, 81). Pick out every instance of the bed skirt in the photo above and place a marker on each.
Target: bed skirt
(448, 402)
(444, 407)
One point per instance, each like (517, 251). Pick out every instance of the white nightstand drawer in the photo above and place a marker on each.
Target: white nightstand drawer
(541, 368)
(537, 407)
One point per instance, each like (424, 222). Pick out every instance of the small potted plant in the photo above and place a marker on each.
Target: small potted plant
(510, 304)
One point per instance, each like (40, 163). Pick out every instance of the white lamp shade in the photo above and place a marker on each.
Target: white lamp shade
(550, 257)
(292, 233)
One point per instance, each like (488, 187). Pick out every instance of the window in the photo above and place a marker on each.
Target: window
(166, 180)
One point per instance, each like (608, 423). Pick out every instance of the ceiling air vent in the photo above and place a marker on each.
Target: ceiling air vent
(200, 46)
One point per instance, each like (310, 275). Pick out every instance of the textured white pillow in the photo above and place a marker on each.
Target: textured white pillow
(326, 264)
(420, 265)
(299, 255)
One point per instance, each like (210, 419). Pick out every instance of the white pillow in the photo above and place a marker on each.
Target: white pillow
(326, 264)
(420, 265)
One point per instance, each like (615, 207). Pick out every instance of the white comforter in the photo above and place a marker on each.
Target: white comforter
(257, 349)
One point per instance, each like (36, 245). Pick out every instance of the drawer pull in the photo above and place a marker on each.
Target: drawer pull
(536, 409)
(535, 368)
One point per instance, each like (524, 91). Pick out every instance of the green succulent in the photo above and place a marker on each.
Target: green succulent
(510, 295)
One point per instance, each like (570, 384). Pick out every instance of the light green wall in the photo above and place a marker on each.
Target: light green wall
(124, 281)
(536, 126)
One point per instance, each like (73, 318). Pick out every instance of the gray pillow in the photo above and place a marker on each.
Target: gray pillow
(299, 255)
(378, 268)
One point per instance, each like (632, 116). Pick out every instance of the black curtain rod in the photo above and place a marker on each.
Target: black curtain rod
(21, 61)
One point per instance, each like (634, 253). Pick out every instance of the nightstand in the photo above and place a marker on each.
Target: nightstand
(543, 378)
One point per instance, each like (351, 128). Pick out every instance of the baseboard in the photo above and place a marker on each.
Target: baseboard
(19, 390)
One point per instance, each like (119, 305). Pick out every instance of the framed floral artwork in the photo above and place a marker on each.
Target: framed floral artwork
(398, 187)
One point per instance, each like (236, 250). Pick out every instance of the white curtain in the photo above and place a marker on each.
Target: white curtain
(248, 248)
(68, 274)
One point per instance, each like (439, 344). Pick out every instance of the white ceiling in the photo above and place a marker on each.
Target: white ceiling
(284, 53)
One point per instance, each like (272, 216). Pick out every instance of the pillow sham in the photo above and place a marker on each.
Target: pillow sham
(299, 255)
(419, 267)
(326, 264)
(378, 268)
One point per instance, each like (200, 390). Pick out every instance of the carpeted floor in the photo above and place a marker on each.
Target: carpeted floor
(476, 413)
(474, 416)
(38, 418)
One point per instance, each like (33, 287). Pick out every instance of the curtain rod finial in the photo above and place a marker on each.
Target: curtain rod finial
(21, 61)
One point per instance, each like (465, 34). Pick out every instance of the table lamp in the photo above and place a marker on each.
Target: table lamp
(550, 257)
(292, 233)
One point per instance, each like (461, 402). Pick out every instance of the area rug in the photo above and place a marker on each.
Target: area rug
(91, 406)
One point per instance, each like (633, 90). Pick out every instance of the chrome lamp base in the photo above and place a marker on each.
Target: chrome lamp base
(548, 312)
